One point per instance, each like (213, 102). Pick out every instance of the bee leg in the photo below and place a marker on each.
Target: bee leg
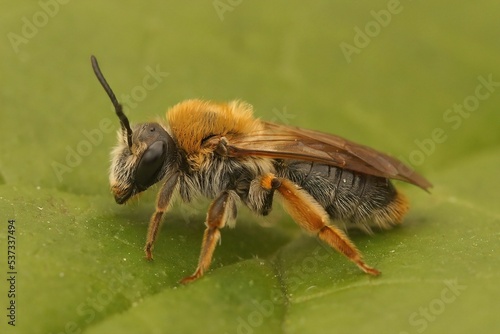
(162, 204)
(309, 214)
(222, 209)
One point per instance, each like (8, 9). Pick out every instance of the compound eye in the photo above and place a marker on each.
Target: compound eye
(150, 165)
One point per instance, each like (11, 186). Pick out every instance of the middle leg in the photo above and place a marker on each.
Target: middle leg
(222, 210)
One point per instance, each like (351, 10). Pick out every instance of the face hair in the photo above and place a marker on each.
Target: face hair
(118, 107)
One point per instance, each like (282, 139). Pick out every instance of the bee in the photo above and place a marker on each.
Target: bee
(220, 151)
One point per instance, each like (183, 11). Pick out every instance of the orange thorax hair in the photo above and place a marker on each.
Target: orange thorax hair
(192, 121)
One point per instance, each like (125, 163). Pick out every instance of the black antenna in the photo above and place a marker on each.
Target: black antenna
(118, 107)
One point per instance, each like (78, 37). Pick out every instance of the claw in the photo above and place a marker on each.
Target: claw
(367, 269)
(149, 253)
(186, 280)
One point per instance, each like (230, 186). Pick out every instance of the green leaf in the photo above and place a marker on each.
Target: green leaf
(416, 87)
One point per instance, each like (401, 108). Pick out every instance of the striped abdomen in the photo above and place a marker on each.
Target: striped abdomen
(359, 200)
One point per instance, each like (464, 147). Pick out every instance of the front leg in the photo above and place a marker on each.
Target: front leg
(222, 210)
(162, 204)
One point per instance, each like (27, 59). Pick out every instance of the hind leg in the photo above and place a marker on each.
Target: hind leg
(307, 212)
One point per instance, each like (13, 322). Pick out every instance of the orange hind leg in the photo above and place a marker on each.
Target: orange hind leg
(307, 212)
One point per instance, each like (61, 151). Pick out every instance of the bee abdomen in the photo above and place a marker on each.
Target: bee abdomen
(359, 200)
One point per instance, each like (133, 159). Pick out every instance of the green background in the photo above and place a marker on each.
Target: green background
(79, 255)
